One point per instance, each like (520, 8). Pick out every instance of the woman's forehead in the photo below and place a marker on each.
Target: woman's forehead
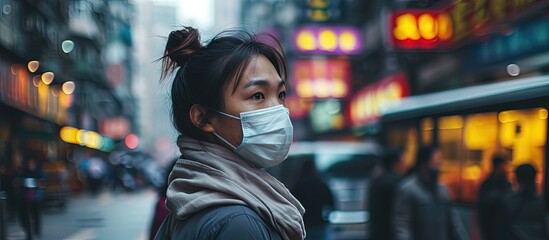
(258, 67)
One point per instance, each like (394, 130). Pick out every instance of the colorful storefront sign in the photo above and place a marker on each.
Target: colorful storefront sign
(364, 107)
(322, 78)
(421, 29)
(339, 40)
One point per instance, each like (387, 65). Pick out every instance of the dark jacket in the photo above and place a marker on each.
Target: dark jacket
(423, 213)
(521, 217)
(315, 196)
(490, 196)
(381, 198)
(218, 222)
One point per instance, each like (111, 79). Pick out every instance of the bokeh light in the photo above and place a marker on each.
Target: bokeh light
(68, 87)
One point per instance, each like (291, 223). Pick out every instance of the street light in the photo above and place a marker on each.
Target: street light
(33, 66)
(68, 87)
(67, 46)
(47, 77)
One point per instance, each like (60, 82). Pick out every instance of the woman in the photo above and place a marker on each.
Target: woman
(228, 106)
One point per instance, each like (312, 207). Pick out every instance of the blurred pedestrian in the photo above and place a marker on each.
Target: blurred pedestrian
(422, 205)
(316, 197)
(381, 195)
(96, 172)
(522, 214)
(491, 193)
(31, 183)
(228, 101)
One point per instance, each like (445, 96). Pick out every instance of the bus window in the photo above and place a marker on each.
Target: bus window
(427, 131)
(480, 140)
(405, 138)
(450, 142)
(524, 132)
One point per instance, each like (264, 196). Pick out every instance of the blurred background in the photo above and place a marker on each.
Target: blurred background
(80, 93)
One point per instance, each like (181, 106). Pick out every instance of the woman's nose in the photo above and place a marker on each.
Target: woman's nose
(275, 101)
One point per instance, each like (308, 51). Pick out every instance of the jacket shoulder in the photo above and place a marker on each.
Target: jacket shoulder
(224, 222)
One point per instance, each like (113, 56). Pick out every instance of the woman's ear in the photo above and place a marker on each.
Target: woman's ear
(198, 118)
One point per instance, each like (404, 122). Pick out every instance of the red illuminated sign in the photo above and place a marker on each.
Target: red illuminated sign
(421, 29)
(322, 78)
(364, 107)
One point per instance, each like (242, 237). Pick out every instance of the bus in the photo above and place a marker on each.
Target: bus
(470, 125)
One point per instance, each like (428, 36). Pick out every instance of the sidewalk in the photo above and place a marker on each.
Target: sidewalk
(14, 230)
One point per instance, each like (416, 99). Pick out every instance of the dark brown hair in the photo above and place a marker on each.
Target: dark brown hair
(205, 71)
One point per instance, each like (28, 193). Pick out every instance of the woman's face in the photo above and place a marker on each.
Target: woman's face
(260, 87)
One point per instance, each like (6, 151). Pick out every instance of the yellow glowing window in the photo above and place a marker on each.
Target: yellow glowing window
(525, 132)
(427, 131)
(481, 131)
(451, 122)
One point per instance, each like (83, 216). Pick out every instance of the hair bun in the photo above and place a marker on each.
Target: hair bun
(181, 46)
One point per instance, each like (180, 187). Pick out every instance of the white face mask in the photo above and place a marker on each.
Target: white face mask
(267, 135)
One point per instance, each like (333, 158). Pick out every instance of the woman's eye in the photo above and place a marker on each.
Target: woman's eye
(258, 96)
(282, 95)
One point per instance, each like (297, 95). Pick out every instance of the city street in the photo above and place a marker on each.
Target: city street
(105, 216)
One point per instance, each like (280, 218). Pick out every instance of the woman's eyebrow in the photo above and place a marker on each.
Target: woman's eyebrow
(262, 83)
(282, 83)
(257, 82)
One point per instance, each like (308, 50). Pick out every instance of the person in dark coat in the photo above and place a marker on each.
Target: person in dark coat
(522, 214)
(160, 209)
(228, 104)
(31, 183)
(491, 192)
(381, 195)
(316, 197)
(422, 207)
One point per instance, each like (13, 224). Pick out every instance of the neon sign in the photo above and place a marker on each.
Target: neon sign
(322, 78)
(421, 29)
(364, 107)
(328, 40)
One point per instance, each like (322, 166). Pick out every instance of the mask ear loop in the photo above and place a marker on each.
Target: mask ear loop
(225, 141)
(219, 136)
(222, 113)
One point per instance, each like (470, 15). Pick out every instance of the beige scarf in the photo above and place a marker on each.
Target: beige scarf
(209, 174)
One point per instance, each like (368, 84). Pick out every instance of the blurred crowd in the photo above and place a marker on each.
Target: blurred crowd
(33, 183)
(413, 204)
